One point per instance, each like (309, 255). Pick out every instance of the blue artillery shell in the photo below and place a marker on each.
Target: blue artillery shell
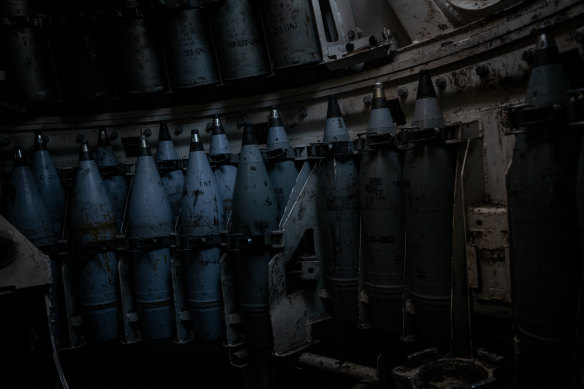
(28, 61)
(225, 174)
(92, 219)
(115, 184)
(291, 33)
(339, 220)
(189, 50)
(202, 217)
(136, 56)
(49, 182)
(239, 40)
(282, 173)
(429, 197)
(382, 223)
(173, 180)
(255, 214)
(545, 248)
(150, 216)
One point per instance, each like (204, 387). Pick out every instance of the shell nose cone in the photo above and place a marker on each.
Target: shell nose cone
(195, 136)
(378, 91)
(163, 133)
(217, 126)
(19, 156)
(103, 139)
(249, 137)
(546, 51)
(379, 100)
(40, 141)
(425, 87)
(333, 110)
(545, 39)
(144, 147)
(196, 144)
(275, 118)
(143, 142)
(84, 152)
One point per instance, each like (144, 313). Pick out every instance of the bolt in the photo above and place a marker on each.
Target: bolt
(482, 71)
(402, 92)
(350, 47)
(440, 83)
(351, 34)
(178, 130)
(146, 132)
(367, 99)
(302, 113)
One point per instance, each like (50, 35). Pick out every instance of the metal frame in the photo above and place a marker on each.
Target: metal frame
(29, 266)
(292, 315)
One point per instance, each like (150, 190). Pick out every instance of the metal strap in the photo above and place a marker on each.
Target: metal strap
(524, 118)
(111, 171)
(170, 165)
(134, 245)
(414, 135)
(240, 242)
(342, 149)
(372, 141)
(223, 159)
(278, 154)
(91, 248)
(186, 243)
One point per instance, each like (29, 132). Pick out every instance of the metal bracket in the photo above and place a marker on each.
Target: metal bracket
(187, 243)
(368, 141)
(278, 239)
(233, 325)
(170, 165)
(293, 312)
(223, 159)
(240, 357)
(575, 108)
(340, 150)
(408, 135)
(342, 41)
(310, 268)
(524, 118)
(102, 246)
(74, 333)
(301, 152)
(412, 370)
(240, 242)
(136, 245)
(130, 331)
(461, 132)
(111, 171)
(487, 259)
(449, 134)
(278, 155)
(184, 330)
